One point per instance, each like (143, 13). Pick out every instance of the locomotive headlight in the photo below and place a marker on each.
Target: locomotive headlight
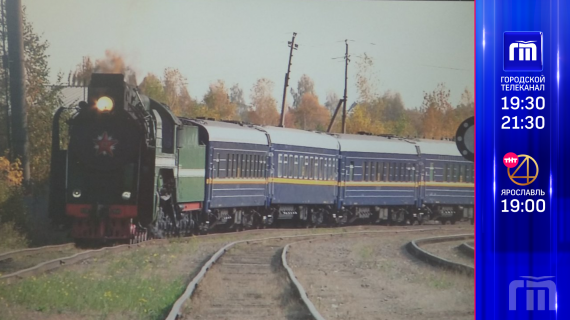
(104, 104)
(126, 195)
(76, 193)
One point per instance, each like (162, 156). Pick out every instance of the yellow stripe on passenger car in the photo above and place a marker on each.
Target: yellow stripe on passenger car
(332, 183)
(378, 184)
(236, 181)
(450, 184)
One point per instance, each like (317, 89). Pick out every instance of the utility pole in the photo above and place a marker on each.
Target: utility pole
(346, 61)
(293, 46)
(343, 100)
(5, 66)
(17, 85)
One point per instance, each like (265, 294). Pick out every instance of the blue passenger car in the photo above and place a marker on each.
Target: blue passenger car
(303, 183)
(447, 190)
(236, 172)
(378, 177)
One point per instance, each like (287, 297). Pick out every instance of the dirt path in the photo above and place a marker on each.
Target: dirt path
(373, 277)
(248, 283)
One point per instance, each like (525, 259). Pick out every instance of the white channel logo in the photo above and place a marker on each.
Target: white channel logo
(540, 285)
(527, 50)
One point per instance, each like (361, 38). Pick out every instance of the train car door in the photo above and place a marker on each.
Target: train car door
(420, 183)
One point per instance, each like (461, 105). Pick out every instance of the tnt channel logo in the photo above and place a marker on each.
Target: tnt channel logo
(522, 51)
(539, 287)
(528, 165)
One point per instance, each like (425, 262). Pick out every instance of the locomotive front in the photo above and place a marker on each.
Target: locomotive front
(103, 163)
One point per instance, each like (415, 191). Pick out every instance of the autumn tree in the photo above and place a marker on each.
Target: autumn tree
(306, 85)
(437, 113)
(331, 102)
(310, 115)
(177, 95)
(217, 101)
(152, 87)
(264, 106)
(236, 97)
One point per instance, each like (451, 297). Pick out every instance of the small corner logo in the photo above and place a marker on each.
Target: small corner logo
(511, 160)
(522, 51)
(539, 285)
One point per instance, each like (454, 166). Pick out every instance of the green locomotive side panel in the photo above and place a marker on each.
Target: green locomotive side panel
(191, 166)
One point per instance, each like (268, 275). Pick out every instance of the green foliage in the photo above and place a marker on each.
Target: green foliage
(12, 211)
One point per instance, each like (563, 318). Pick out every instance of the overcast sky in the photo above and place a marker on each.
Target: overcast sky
(414, 45)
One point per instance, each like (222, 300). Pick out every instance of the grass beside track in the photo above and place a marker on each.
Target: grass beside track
(133, 285)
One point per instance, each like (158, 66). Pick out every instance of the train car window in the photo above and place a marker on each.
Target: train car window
(301, 167)
(455, 173)
(258, 166)
(246, 166)
(365, 172)
(238, 165)
(449, 172)
(322, 169)
(315, 173)
(296, 168)
(372, 171)
(228, 166)
(232, 165)
(431, 171)
(250, 171)
(218, 165)
(462, 173)
(351, 171)
(326, 171)
(279, 165)
(307, 167)
(379, 171)
(468, 174)
(413, 173)
(291, 165)
(445, 174)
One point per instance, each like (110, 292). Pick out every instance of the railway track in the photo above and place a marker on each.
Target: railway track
(250, 279)
(13, 261)
(424, 250)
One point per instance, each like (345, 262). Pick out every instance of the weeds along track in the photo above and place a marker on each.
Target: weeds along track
(248, 279)
(444, 252)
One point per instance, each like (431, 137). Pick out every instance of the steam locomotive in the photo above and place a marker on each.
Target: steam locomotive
(133, 169)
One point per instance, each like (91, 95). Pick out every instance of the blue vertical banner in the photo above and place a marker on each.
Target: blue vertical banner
(522, 126)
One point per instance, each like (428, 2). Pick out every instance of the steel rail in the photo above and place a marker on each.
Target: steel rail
(414, 249)
(299, 287)
(467, 249)
(30, 251)
(175, 311)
